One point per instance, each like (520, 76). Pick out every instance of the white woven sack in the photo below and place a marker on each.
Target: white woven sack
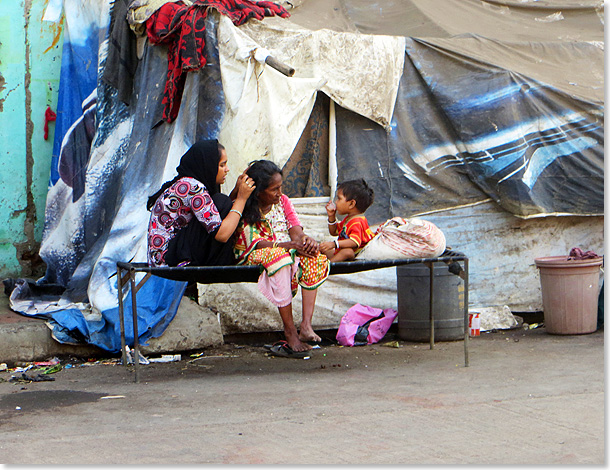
(400, 238)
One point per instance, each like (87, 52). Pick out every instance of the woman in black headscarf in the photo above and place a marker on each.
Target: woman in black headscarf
(191, 220)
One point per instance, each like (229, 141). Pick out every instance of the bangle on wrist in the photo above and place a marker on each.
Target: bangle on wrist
(275, 245)
(334, 222)
(236, 211)
(337, 244)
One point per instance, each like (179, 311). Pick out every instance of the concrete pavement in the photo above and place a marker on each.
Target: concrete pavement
(26, 339)
(527, 398)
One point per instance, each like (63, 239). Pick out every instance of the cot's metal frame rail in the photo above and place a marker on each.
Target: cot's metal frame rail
(126, 282)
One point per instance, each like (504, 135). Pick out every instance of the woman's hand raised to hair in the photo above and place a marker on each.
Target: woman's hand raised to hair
(245, 187)
(240, 179)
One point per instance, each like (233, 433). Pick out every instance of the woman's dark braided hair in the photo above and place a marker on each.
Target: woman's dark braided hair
(261, 171)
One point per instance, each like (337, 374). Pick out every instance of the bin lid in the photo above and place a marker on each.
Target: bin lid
(564, 262)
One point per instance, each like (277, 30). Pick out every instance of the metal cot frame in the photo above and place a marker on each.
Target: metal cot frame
(126, 282)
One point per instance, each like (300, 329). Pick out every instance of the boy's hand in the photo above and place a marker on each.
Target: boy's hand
(331, 209)
(327, 246)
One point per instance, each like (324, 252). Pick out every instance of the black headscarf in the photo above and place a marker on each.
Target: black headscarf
(199, 162)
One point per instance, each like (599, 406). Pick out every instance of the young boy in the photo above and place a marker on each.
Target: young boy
(352, 200)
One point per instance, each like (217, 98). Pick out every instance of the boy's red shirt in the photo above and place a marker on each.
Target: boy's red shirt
(355, 228)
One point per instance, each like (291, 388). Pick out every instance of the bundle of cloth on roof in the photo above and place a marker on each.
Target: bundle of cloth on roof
(181, 26)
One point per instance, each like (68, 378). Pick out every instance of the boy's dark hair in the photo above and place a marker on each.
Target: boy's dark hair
(261, 171)
(359, 191)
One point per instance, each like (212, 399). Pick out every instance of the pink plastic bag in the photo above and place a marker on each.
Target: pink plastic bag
(364, 325)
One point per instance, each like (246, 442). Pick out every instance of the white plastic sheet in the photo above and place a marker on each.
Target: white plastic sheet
(266, 111)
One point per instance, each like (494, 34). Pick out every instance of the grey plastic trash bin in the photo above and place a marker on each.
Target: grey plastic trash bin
(413, 285)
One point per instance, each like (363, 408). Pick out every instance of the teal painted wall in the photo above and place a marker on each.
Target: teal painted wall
(30, 63)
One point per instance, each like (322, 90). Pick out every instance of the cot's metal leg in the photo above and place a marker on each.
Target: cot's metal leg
(134, 308)
(119, 282)
(466, 335)
(431, 267)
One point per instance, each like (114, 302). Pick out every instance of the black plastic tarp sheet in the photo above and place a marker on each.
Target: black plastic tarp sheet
(464, 131)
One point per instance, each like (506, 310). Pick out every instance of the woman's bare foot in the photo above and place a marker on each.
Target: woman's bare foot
(296, 344)
(307, 334)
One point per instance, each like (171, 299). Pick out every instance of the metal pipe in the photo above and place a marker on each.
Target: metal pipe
(466, 333)
(431, 266)
(279, 66)
(119, 284)
(332, 150)
(134, 315)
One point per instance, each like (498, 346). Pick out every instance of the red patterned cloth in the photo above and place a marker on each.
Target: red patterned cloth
(49, 116)
(182, 28)
(577, 253)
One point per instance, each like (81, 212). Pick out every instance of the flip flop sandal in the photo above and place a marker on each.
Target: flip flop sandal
(280, 342)
(281, 349)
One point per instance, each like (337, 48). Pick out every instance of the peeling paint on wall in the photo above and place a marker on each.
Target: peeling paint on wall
(29, 81)
(2, 88)
(57, 29)
(27, 251)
